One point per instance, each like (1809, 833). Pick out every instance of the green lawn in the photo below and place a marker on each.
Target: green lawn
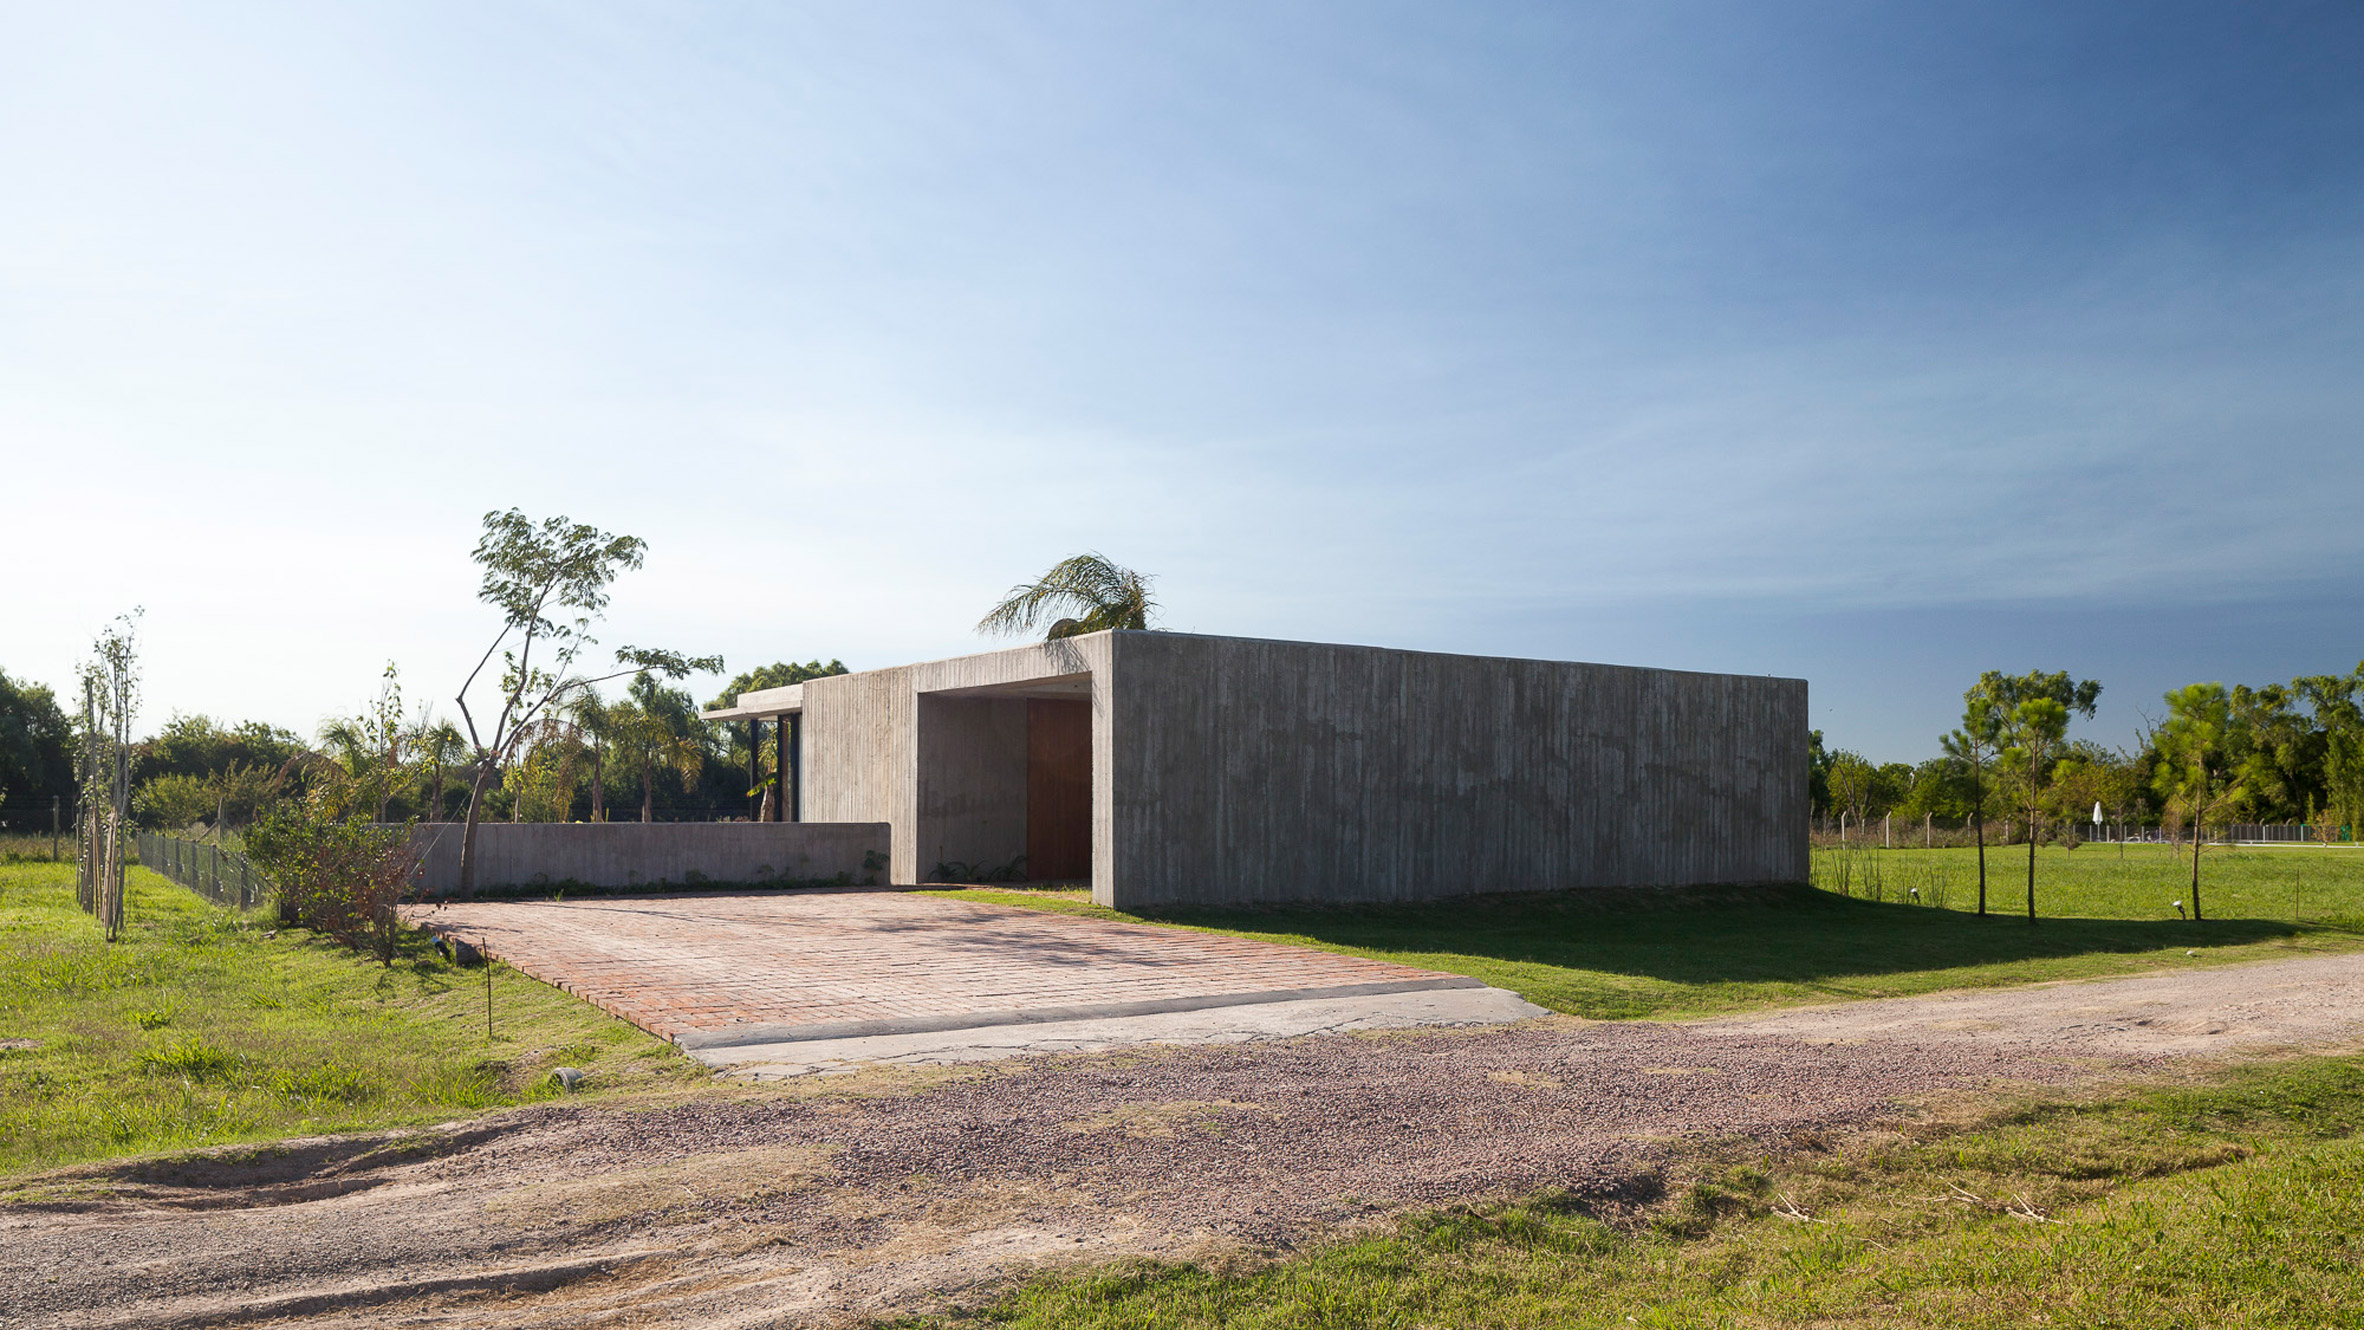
(2114, 882)
(1624, 954)
(2233, 1204)
(200, 1027)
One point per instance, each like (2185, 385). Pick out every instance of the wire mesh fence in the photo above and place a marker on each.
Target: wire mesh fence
(221, 876)
(2291, 833)
(37, 830)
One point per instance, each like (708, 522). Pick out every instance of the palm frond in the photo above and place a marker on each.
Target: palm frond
(1098, 593)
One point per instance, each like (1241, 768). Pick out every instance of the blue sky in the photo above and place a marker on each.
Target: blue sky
(1875, 344)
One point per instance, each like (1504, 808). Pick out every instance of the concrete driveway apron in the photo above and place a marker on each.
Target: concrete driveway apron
(725, 975)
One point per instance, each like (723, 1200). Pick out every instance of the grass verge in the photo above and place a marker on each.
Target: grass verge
(2233, 1203)
(203, 1026)
(1620, 955)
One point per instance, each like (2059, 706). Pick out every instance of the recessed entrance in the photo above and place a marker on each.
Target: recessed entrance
(1058, 789)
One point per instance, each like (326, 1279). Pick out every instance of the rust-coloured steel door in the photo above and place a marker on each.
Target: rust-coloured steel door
(1058, 789)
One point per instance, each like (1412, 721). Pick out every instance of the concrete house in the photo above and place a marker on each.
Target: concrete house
(1172, 768)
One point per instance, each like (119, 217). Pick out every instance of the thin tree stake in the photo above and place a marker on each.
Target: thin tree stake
(488, 1034)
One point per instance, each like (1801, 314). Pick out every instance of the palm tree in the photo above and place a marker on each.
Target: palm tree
(600, 722)
(548, 769)
(368, 747)
(1100, 594)
(440, 747)
(657, 728)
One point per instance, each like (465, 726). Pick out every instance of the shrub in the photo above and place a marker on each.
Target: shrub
(174, 801)
(340, 875)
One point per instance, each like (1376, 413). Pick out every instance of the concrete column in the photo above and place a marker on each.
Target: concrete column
(793, 725)
(780, 730)
(754, 768)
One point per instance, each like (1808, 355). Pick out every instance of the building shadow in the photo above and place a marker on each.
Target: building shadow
(1724, 935)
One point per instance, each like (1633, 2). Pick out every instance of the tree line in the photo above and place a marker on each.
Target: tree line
(634, 756)
(2295, 753)
(2278, 753)
(552, 746)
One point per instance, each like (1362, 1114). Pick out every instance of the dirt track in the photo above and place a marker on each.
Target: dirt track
(878, 1194)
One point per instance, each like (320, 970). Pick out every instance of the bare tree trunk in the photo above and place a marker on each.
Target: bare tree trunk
(648, 792)
(2198, 838)
(598, 785)
(483, 778)
(1978, 830)
(2031, 864)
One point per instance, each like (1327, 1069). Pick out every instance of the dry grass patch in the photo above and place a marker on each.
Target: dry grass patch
(2231, 1197)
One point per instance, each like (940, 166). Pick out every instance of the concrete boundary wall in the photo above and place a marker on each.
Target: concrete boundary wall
(657, 854)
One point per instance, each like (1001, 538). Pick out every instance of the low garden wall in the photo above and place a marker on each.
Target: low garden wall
(613, 855)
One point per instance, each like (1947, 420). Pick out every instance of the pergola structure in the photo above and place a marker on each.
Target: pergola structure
(783, 708)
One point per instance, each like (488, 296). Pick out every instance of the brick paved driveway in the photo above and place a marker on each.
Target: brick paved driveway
(716, 969)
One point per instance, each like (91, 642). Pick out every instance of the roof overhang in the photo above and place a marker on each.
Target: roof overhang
(762, 704)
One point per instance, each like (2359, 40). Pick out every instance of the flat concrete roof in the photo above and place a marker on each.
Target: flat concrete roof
(1062, 677)
(762, 704)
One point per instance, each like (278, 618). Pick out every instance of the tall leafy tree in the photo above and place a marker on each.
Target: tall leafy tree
(2035, 724)
(36, 746)
(2281, 754)
(2033, 732)
(1934, 789)
(1973, 749)
(2087, 775)
(203, 746)
(1852, 781)
(1863, 789)
(2337, 701)
(1095, 594)
(2199, 771)
(549, 580)
(779, 674)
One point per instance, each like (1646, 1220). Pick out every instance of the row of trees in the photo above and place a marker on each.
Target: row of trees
(37, 748)
(321, 820)
(550, 746)
(597, 758)
(2280, 753)
(2297, 750)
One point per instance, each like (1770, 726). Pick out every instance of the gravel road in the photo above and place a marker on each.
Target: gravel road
(823, 1202)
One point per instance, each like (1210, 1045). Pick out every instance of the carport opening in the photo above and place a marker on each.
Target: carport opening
(1058, 790)
(1005, 783)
